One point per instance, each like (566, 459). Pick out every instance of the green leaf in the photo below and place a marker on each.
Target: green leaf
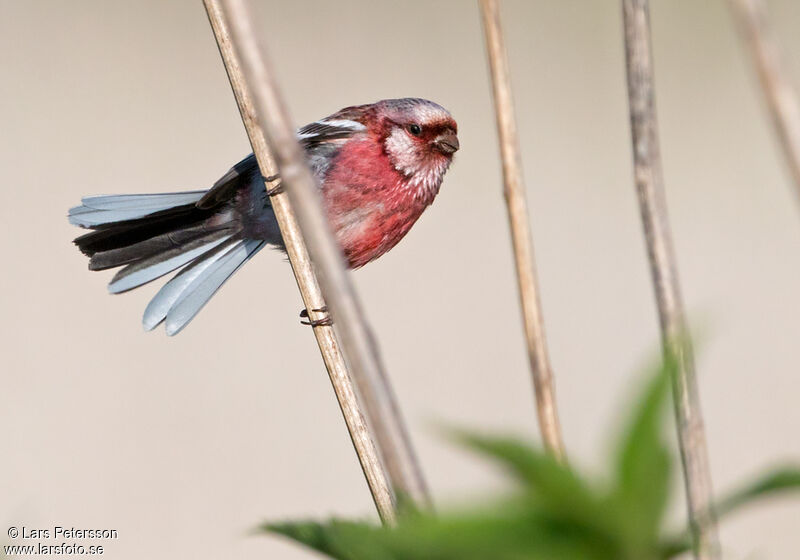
(643, 464)
(774, 482)
(344, 540)
(778, 481)
(557, 515)
(557, 485)
(507, 531)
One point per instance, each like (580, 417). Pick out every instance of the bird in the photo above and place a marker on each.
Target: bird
(378, 166)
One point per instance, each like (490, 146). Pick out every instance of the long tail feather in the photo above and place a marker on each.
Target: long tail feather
(146, 270)
(169, 293)
(155, 202)
(127, 254)
(184, 296)
(99, 210)
(154, 234)
(121, 234)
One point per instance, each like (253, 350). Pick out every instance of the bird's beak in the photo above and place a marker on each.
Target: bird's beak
(447, 143)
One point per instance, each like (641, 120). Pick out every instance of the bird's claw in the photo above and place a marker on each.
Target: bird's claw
(277, 189)
(325, 321)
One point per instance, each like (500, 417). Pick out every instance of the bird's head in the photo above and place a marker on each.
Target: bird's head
(419, 137)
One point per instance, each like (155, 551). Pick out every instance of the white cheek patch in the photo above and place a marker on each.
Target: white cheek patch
(403, 152)
(424, 173)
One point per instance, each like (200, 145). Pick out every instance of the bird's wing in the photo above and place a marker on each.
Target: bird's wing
(331, 129)
(320, 139)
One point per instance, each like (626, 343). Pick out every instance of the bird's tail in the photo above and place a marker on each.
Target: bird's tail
(150, 235)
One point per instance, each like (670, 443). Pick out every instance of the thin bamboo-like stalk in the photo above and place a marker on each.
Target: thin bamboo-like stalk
(652, 205)
(309, 289)
(778, 91)
(300, 217)
(514, 191)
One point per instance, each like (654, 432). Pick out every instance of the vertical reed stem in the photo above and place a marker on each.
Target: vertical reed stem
(265, 118)
(514, 191)
(780, 95)
(652, 205)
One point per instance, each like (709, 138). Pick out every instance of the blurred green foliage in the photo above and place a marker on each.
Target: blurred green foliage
(555, 512)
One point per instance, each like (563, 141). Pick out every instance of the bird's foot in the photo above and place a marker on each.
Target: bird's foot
(325, 321)
(277, 189)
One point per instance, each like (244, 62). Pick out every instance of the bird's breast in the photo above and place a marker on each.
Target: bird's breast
(366, 230)
(371, 206)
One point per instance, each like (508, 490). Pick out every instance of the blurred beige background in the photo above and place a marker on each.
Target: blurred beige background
(184, 444)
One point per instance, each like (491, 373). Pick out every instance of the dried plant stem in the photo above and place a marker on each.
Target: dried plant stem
(264, 117)
(652, 204)
(306, 280)
(781, 96)
(514, 190)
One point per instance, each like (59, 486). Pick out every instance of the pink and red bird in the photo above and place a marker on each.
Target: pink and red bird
(379, 166)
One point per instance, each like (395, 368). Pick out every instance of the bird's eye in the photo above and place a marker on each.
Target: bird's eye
(415, 129)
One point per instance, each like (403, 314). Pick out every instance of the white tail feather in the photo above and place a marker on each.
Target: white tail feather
(145, 275)
(169, 293)
(205, 284)
(105, 209)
